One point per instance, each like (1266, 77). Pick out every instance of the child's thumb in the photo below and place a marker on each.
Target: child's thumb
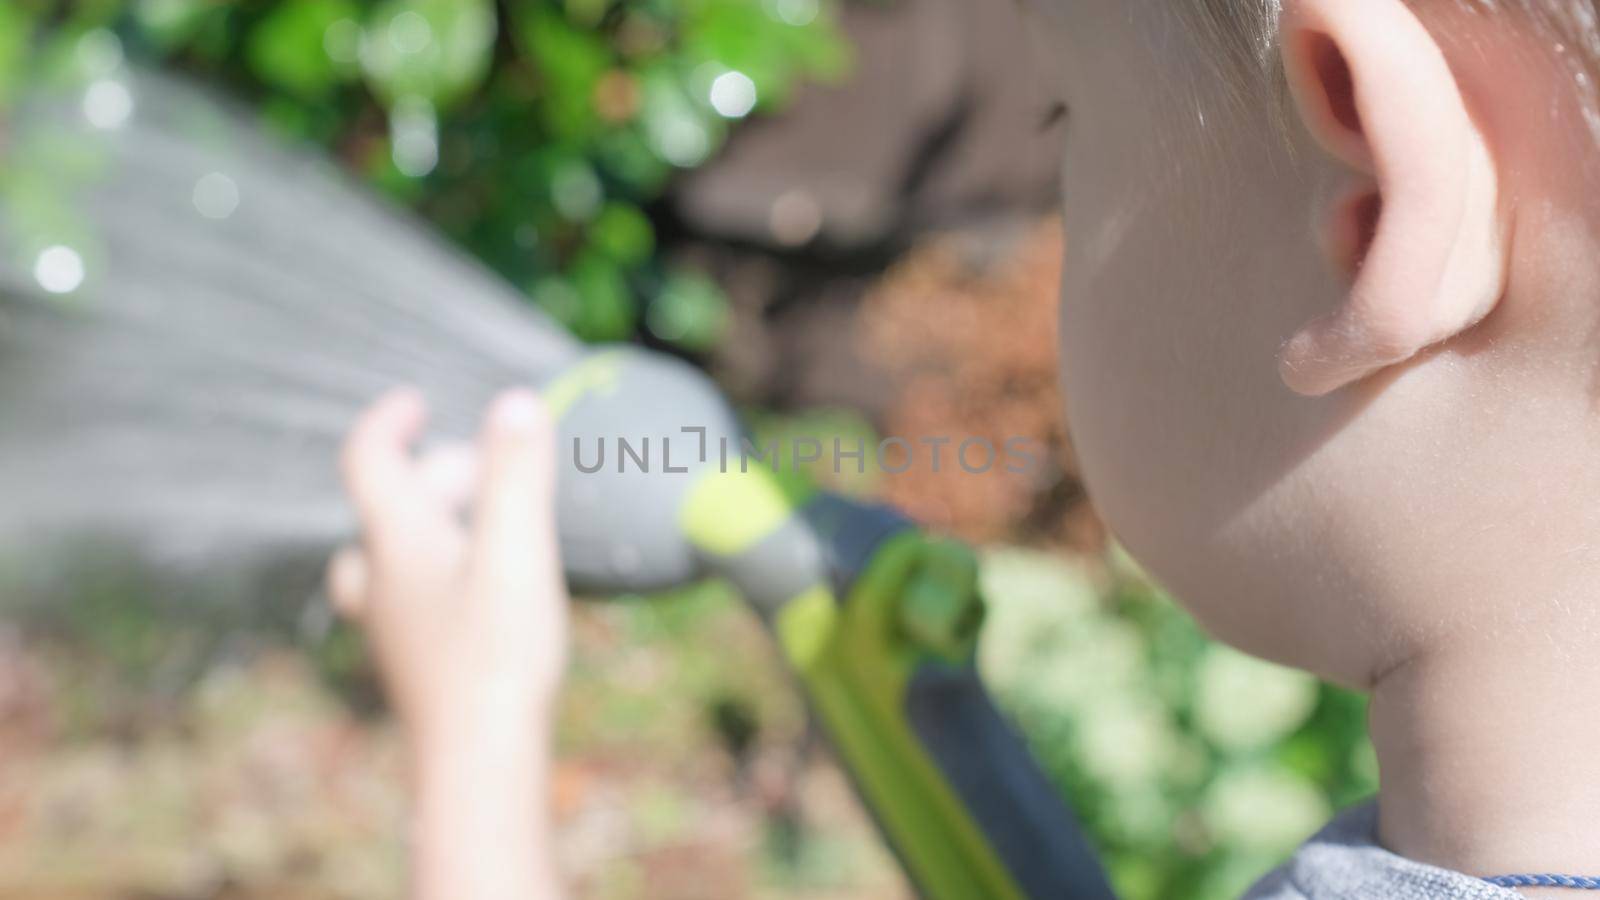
(515, 515)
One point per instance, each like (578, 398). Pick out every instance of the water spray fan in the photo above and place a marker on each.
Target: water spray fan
(184, 371)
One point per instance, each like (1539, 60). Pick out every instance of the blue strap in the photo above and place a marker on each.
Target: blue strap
(1576, 882)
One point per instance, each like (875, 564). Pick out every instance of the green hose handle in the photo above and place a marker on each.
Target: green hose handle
(883, 645)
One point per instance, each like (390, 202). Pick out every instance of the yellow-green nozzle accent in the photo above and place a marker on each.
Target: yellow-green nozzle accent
(729, 512)
(598, 372)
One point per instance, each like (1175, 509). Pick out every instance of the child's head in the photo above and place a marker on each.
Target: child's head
(1331, 315)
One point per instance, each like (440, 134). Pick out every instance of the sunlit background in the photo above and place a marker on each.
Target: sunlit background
(840, 210)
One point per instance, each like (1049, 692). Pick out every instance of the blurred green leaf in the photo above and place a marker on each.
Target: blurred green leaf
(680, 130)
(1194, 768)
(570, 61)
(168, 23)
(575, 191)
(607, 312)
(1243, 703)
(623, 233)
(289, 48)
(690, 311)
(16, 34)
(436, 50)
(558, 298)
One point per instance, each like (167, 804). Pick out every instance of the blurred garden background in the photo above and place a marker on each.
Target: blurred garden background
(842, 211)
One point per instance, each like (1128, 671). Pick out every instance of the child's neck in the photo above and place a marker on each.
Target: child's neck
(1490, 754)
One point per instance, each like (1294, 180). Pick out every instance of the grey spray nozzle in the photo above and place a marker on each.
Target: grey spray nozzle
(656, 487)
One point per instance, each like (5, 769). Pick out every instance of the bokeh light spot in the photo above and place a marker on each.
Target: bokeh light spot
(795, 217)
(409, 32)
(107, 104)
(733, 94)
(342, 41)
(798, 13)
(99, 51)
(681, 140)
(414, 133)
(576, 192)
(216, 195)
(58, 269)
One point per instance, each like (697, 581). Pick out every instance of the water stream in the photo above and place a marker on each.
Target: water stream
(191, 314)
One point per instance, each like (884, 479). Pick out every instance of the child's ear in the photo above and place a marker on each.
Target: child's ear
(1422, 240)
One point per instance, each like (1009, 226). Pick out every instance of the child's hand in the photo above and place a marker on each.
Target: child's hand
(467, 623)
(460, 617)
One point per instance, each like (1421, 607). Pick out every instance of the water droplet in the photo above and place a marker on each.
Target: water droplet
(415, 153)
(99, 51)
(216, 195)
(733, 94)
(415, 137)
(681, 140)
(664, 320)
(107, 104)
(409, 32)
(342, 41)
(798, 13)
(576, 192)
(58, 269)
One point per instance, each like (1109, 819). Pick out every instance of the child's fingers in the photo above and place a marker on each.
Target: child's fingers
(514, 520)
(348, 582)
(383, 481)
(376, 459)
(450, 473)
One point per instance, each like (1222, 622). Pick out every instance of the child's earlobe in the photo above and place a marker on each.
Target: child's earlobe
(1419, 232)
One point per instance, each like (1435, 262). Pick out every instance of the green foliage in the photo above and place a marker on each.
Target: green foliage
(302, 47)
(536, 134)
(1195, 768)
